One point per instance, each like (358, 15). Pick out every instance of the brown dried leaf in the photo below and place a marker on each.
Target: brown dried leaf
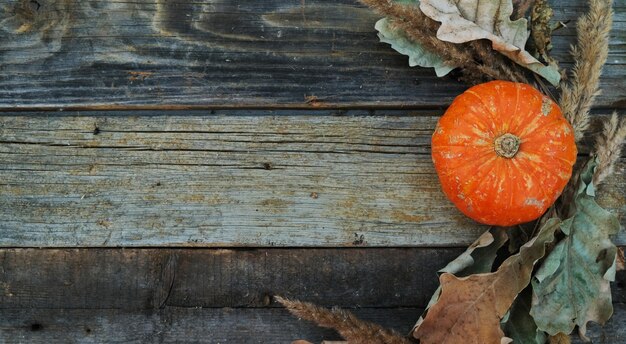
(560, 338)
(470, 20)
(470, 308)
(540, 31)
(478, 258)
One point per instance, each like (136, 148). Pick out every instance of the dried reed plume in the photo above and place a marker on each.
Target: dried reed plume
(478, 61)
(608, 147)
(590, 54)
(349, 326)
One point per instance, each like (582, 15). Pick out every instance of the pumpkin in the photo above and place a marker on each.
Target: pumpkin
(503, 153)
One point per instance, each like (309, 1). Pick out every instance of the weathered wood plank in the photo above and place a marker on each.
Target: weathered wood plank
(135, 279)
(155, 278)
(225, 180)
(108, 54)
(175, 325)
(210, 325)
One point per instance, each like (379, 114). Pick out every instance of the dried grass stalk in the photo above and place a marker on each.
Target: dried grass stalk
(408, 13)
(489, 58)
(349, 326)
(608, 147)
(590, 54)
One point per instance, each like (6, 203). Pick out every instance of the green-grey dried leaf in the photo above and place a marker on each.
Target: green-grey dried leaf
(572, 287)
(418, 55)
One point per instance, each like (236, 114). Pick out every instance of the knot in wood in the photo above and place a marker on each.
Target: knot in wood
(36, 27)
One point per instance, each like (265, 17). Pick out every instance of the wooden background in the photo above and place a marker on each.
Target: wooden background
(166, 167)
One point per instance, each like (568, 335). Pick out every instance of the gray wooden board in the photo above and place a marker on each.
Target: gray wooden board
(134, 279)
(153, 278)
(108, 54)
(211, 325)
(227, 179)
(178, 325)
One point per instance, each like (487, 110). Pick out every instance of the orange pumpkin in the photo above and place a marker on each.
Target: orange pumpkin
(503, 152)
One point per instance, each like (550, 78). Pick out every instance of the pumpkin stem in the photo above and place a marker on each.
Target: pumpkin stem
(507, 145)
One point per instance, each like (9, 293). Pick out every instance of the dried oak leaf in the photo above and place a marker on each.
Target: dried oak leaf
(572, 286)
(470, 308)
(478, 258)
(541, 32)
(470, 20)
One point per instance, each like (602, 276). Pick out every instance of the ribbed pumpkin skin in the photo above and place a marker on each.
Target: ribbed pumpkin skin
(491, 188)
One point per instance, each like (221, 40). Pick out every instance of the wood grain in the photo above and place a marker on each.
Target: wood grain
(229, 180)
(210, 325)
(178, 325)
(135, 279)
(152, 53)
